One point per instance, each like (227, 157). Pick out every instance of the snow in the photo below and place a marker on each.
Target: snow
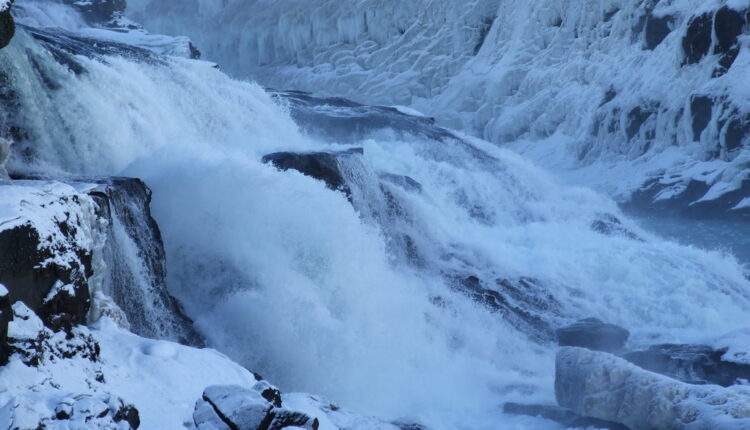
(163, 386)
(5, 5)
(25, 324)
(3, 290)
(57, 288)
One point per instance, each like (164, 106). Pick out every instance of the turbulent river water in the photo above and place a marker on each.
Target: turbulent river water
(432, 301)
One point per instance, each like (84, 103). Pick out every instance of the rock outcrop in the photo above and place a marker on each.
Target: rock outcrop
(324, 166)
(47, 242)
(52, 236)
(593, 334)
(603, 386)
(7, 25)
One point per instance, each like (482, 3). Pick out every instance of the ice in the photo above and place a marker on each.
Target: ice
(561, 82)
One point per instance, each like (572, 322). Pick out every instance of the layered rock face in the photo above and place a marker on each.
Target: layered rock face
(55, 235)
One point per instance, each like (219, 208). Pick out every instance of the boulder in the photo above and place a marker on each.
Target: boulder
(232, 407)
(324, 166)
(604, 386)
(701, 111)
(593, 334)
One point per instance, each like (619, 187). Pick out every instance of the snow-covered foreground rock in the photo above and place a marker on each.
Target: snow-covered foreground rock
(624, 94)
(604, 386)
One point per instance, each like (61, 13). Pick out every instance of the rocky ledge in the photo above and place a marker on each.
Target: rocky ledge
(7, 25)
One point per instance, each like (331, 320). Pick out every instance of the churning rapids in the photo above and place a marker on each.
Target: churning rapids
(426, 285)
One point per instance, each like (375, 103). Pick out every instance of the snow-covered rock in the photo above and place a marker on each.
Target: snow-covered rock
(604, 386)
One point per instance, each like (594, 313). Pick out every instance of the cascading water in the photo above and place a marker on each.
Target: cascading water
(324, 293)
(614, 94)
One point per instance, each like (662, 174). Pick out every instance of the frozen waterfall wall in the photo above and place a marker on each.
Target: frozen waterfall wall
(655, 86)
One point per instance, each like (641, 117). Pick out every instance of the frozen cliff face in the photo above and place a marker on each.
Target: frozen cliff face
(626, 93)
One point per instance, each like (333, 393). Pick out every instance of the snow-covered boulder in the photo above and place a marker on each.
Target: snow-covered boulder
(607, 387)
(229, 407)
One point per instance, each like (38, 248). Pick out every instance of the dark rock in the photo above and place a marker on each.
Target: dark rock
(6, 316)
(351, 122)
(139, 294)
(29, 272)
(285, 418)
(268, 392)
(64, 46)
(405, 182)
(686, 203)
(98, 11)
(141, 291)
(694, 364)
(519, 302)
(737, 132)
(636, 118)
(701, 110)
(610, 225)
(129, 414)
(728, 24)
(593, 334)
(195, 54)
(697, 40)
(7, 27)
(323, 166)
(657, 28)
(560, 415)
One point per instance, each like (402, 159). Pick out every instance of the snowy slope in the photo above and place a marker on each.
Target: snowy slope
(573, 85)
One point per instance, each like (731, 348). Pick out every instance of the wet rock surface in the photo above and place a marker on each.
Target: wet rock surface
(593, 334)
(324, 166)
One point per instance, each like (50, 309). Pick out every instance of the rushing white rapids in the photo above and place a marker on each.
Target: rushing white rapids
(596, 86)
(286, 277)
